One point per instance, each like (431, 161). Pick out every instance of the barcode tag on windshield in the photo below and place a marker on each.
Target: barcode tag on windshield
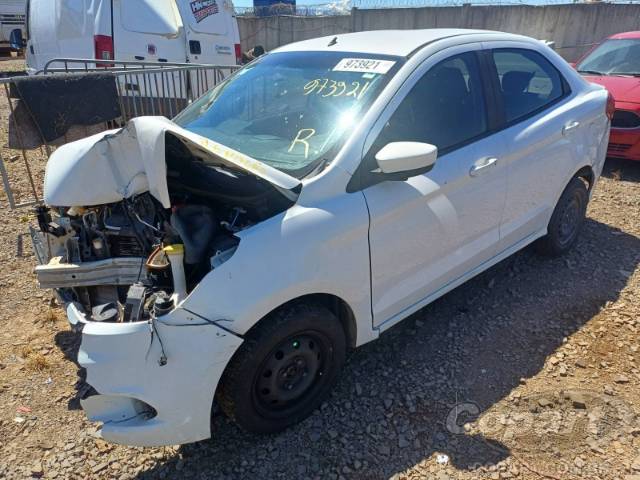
(364, 65)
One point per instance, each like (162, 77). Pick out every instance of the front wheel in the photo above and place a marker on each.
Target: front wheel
(283, 371)
(566, 221)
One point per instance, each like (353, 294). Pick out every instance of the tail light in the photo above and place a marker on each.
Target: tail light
(104, 50)
(238, 54)
(611, 106)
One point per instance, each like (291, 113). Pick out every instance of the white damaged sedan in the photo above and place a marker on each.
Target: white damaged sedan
(311, 201)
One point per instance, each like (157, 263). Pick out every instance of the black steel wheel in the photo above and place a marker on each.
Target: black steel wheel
(566, 221)
(292, 371)
(285, 368)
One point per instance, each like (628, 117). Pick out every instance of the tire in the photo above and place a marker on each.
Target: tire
(566, 221)
(285, 368)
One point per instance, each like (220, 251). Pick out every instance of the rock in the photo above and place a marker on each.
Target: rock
(358, 389)
(579, 462)
(608, 390)
(635, 465)
(37, 470)
(577, 399)
(580, 363)
(544, 402)
(99, 467)
(45, 445)
(621, 379)
(384, 450)
(333, 434)
(402, 441)
(594, 446)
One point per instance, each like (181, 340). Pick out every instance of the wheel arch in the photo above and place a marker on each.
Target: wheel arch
(586, 174)
(335, 304)
(339, 307)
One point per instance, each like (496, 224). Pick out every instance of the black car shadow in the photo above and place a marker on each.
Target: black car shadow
(392, 407)
(620, 169)
(69, 343)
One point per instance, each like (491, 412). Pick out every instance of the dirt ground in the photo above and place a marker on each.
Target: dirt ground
(528, 371)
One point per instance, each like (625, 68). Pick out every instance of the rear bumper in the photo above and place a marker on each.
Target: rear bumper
(141, 398)
(624, 143)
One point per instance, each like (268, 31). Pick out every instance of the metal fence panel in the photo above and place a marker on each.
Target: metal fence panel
(143, 88)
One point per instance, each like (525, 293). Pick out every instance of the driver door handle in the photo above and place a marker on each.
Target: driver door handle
(570, 126)
(482, 166)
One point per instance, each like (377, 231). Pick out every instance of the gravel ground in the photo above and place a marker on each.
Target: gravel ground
(528, 371)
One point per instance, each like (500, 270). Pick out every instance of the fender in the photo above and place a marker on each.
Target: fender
(305, 250)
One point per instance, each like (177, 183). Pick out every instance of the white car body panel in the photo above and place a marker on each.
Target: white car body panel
(450, 222)
(421, 237)
(539, 145)
(317, 240)
(180, 391)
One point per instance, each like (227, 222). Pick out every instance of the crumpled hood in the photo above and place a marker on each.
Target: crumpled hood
(118, 164)
(623, 89)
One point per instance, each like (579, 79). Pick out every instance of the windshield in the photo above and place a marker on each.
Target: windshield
(613, 57)
(291, 110)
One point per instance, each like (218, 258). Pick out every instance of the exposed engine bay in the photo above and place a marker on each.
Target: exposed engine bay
(133, 259)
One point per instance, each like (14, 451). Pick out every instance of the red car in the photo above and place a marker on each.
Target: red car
(615, 64)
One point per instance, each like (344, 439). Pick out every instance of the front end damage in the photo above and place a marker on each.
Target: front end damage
(153, 383)
(135, 219)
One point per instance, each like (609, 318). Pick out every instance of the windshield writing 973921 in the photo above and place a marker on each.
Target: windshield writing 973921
(291, 110)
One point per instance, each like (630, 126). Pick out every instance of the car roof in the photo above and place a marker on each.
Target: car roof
(623, 35)
(385, 42)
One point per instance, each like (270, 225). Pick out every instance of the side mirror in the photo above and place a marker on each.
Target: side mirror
(412, 158)
(15, 39)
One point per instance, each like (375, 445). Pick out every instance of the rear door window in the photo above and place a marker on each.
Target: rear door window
(528, 82)
(158, 17)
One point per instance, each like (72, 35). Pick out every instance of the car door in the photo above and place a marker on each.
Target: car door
(430, 230)
(540, 124)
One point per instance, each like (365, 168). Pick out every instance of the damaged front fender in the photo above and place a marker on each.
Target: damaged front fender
(154, 382)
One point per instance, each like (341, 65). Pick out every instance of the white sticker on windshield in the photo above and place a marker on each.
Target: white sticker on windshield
(364, 65)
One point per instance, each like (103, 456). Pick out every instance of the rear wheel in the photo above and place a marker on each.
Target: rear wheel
(566, 221)
(285, 368)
